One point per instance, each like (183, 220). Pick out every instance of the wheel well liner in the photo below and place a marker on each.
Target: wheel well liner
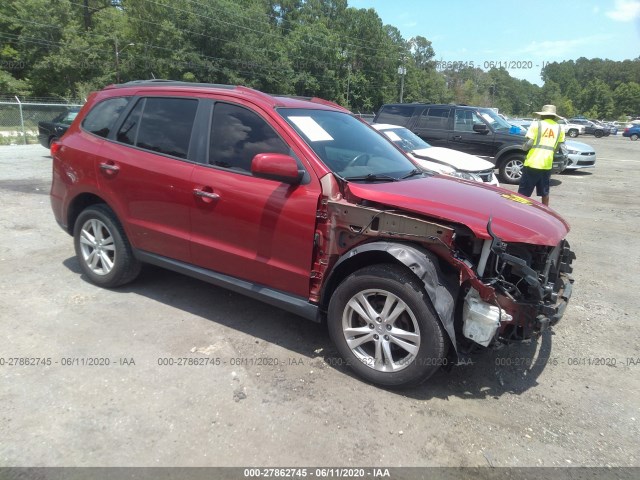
(77, 205)
(441, 287)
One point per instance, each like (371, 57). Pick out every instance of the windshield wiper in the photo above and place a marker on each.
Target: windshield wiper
(415, 171)
(373, 177)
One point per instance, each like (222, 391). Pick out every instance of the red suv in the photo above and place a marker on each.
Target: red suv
(297, 203)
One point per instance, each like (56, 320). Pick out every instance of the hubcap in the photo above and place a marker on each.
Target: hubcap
(98, 249)
(513, 169)
(393, 342)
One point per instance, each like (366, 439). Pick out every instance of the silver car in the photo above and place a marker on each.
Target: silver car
(580, 155)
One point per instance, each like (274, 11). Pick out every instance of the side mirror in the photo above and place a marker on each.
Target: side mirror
(480, 128)
(276, 166)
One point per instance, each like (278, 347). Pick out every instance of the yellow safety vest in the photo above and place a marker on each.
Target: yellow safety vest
(546, 135)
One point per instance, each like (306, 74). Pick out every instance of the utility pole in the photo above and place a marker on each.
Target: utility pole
(402, 72)
(118, 57)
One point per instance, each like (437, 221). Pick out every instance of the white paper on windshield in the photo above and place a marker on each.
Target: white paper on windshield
(487, 117)
(311, 129)
(393, 136)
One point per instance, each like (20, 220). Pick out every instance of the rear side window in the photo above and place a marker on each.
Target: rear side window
(238, 135)
(435, 117)
(101, 118)
(395, 114)
(161, 125)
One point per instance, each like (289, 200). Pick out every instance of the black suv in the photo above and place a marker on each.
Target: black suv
(474, 130)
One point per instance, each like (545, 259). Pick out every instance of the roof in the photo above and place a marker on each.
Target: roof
(273, 100)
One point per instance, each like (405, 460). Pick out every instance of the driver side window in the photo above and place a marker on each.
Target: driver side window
(237, 135)
(465, 120)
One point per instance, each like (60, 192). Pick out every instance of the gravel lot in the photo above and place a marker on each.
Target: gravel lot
(273, 392)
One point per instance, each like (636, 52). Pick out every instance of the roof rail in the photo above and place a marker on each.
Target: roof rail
(159, 82)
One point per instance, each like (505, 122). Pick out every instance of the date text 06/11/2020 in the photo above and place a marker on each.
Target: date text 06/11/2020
(488, 64)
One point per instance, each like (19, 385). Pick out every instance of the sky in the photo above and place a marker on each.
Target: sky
(517, 34)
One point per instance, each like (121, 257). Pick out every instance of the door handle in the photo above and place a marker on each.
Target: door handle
(109, 168)
(208, 195)
(456, 137)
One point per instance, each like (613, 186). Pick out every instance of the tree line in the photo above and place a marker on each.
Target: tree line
(324, 48)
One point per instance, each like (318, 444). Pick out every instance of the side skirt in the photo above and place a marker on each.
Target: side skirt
(291, 303)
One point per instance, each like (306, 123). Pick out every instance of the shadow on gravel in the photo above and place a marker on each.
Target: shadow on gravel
(577, 173)
(39, 187)
(487, 373)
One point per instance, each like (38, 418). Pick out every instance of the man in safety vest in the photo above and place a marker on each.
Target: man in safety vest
(543, 139)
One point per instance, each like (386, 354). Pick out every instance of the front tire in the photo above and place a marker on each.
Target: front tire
(385, 328)
(573, 133)
(510, 170)
(598, 133)
(634, 137)
(102, 248)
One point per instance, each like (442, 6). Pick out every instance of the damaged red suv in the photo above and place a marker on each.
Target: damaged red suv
(297, 203)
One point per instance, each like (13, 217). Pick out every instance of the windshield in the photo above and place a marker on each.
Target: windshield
(405, 139)
(494, 120)
(347, 146)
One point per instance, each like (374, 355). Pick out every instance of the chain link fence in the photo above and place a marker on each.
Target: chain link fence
(19, 117)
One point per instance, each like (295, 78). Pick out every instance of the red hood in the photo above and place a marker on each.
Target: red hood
(515, 218)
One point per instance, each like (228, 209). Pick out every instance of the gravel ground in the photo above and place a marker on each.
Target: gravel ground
(273, 391)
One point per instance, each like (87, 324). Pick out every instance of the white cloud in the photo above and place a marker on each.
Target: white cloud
(625, 10)
(551, 50)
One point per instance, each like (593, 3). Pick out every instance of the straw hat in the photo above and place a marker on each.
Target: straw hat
(548, 110)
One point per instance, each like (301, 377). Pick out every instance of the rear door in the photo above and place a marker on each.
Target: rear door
(433, 125)
(465, 139)
(252, 228)
(146, 171)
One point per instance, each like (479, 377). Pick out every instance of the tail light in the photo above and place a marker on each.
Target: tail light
(55, 147)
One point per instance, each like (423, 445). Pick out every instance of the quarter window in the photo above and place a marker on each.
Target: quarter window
(238, 135)
(396, 115)
(101, 118)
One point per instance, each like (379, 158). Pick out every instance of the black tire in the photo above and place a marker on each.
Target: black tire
(425, 341)
(102, 248)
(51, 140)
(510, 170)
(598, 133)
(573, 133)
(634, 136)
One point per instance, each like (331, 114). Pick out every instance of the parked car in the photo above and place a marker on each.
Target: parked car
(591, 128)
(439, 159)
(299, 204)
(613, 127)
(50, 131)
(633, 132)
(473, 130)
(571, 129)
(580, 155)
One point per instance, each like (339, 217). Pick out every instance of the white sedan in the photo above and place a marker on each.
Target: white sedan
(438, 159)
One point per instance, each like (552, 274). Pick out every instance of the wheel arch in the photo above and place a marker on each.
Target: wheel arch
(507, 152)
(78, 204)
(439, 280)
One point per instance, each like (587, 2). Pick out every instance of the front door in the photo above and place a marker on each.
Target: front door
(257, 229)
(465, 139)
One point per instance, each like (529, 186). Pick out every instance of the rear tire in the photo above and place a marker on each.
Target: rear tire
(385, 328)
(573, 133)
(598, 133)
(510, 169)
(102, 248)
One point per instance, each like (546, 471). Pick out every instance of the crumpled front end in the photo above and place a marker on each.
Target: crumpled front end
(524, 289)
